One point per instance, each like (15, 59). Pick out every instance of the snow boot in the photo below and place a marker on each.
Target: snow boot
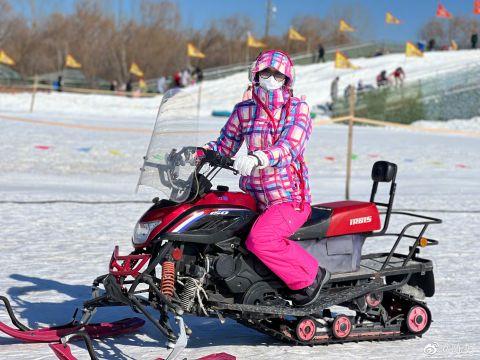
(310, 294)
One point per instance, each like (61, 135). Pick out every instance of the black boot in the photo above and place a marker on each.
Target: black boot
(308, 295)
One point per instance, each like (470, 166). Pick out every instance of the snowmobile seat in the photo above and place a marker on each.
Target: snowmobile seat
(316, 226)
(336, 231)
(339, 218)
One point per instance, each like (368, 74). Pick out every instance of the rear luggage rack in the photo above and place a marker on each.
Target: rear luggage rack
(420, 240)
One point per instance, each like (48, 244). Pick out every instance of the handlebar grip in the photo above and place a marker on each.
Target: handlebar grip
(228, 161)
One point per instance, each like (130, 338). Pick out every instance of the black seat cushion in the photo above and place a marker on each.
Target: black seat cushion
(316, 227)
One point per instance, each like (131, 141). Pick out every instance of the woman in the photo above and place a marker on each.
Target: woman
(275, 126)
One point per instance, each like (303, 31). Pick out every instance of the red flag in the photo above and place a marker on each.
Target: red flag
(476, 7)
(442, 12)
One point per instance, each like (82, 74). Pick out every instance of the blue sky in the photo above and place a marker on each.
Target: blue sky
(198, 13)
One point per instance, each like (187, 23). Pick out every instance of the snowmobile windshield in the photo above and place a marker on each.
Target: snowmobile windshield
(169, 164)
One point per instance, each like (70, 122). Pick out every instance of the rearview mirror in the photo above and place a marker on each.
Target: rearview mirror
(384, 171)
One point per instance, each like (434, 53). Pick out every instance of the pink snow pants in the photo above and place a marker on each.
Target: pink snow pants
(268, 240)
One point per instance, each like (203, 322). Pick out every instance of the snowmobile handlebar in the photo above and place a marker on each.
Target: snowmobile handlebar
(199, 156)
(215, 159)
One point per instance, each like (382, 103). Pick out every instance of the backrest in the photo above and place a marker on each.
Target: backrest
(384, 171)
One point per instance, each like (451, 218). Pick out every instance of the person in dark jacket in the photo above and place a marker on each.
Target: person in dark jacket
(129, 86)
(474, 40)
(198, 74)
(431, 45)
(321, 53)
(382, 79)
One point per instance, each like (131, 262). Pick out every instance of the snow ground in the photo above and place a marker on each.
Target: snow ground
(51, 252)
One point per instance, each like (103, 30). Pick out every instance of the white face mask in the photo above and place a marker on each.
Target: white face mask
(270, 83)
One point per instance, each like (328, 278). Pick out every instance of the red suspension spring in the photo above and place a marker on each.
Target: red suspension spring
(167, 285)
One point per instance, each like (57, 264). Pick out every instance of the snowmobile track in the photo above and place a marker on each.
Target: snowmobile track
(386, 336)
(321, 304)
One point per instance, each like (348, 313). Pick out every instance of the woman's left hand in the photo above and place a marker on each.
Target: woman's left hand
(245, 164)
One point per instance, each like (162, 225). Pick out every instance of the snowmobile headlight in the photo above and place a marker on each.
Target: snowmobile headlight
(143, 230)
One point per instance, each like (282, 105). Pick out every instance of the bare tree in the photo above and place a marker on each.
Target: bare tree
(6, 21)
(443, 31)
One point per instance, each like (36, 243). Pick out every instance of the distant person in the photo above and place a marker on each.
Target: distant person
(349, 91)
(161, 84)
(186, 78)
(113, 85)
(334, 89)
(177, 79)
(321, 53)
(474, 40)
(431, 44)
(382, 79)
(58, 84)
(399, 76)
(360, 86)
(247, 94)
(142, 86)
(363, 88)
(198, 74)
(129, 86)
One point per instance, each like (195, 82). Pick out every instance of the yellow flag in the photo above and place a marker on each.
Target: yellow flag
(5, 59)
(454, 45)
(252, 42)
(192, 51)
(412, 50)
(342, 62)
(344, 27)
(295, 35)
(390, 19)
(135, 70)
(71, 62)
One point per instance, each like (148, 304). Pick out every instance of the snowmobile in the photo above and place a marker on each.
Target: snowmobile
(189, 257)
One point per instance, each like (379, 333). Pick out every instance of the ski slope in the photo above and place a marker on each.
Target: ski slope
(313, 81)
(50, 253)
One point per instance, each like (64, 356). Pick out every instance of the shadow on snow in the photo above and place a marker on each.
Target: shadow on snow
(206, 331)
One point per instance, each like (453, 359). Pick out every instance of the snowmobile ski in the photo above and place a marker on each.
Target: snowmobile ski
(54, 334)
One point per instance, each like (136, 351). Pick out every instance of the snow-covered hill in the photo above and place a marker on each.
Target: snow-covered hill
(222, 94)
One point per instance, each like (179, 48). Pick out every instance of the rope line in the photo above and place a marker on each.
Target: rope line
(318, 123)
(74, 126)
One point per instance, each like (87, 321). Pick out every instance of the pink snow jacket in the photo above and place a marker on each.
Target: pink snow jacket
(282, 140)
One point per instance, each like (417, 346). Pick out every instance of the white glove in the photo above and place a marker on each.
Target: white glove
(245, 164)
(262, 159)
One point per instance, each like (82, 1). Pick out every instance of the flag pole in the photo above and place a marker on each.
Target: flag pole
(199, 99)
(449, 32)
(350, 141)
(34, 92)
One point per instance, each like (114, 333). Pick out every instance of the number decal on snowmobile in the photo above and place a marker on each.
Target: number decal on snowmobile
(361, 220)
(220, 212)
